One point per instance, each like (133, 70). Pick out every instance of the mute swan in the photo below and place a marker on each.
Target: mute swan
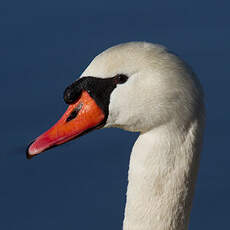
(141, 87)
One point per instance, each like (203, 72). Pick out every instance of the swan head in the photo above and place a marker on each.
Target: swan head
(135, 86)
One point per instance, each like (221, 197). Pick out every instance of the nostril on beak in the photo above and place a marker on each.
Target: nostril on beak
(74, 113)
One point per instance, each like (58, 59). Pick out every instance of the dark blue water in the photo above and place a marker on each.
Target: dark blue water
(44, 46)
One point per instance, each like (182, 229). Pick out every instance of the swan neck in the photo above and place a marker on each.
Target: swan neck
(162, 174)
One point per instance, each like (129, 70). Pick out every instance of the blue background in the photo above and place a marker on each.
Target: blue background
(44, 46)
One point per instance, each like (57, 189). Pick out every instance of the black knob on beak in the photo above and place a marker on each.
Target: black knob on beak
(72, 93)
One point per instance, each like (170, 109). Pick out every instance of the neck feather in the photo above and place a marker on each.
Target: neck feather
(162, 173)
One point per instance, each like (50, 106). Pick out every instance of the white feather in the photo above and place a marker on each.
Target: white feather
(164, 102)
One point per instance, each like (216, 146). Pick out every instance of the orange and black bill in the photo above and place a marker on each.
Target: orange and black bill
(81, 116)
(88, 100)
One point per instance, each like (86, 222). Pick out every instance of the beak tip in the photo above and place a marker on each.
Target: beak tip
(28, 155)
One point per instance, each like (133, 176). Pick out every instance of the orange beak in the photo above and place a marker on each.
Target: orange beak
(80, 117)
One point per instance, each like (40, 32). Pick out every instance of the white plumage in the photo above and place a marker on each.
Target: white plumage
(163, 101)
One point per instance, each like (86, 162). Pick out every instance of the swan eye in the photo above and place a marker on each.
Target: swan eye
(121, 78)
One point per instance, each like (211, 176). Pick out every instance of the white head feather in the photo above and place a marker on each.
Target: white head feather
(163, 100)
(161, 87)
